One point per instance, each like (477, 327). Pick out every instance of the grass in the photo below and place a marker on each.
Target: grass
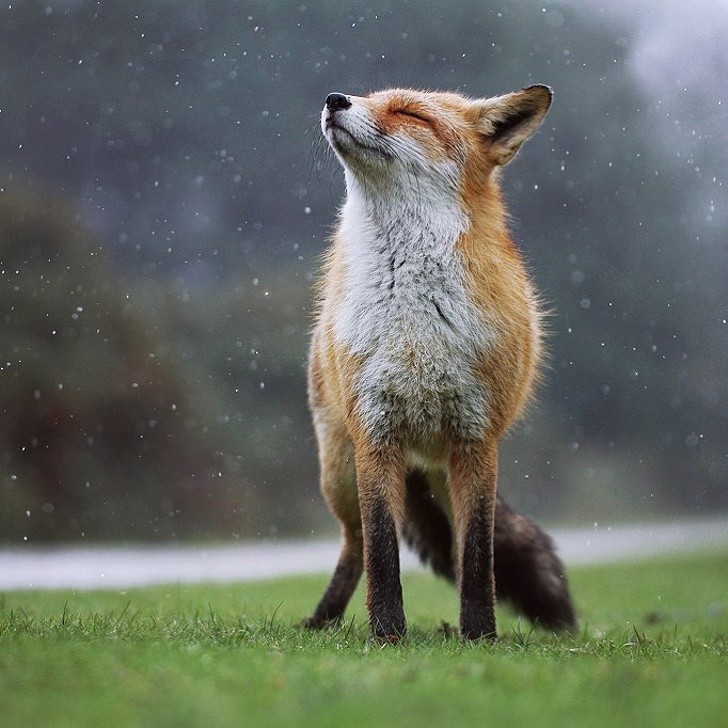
(652, 651)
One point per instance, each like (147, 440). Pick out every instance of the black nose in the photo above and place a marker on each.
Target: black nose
(334, 102)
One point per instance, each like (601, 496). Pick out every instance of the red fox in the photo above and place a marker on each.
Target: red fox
(426, 348)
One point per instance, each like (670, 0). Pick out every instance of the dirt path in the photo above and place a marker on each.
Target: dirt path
(30, 567)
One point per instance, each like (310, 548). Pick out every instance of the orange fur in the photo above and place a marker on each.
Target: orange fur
(446, 380)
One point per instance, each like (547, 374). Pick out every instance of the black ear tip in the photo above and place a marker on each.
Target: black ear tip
(539, 95)
(542, 89)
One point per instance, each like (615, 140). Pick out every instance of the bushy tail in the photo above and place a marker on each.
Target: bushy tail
(528, 573)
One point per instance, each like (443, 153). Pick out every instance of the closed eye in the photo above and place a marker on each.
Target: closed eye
(413, 115)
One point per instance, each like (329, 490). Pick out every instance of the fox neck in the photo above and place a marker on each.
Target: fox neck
(422, 215)
(402, 264)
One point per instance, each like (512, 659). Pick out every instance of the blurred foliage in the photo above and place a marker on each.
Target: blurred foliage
(156, 295)
(107, 431)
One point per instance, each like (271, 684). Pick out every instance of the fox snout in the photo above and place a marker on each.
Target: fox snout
(336, 101)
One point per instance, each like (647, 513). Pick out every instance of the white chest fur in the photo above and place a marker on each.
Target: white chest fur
(408, 315)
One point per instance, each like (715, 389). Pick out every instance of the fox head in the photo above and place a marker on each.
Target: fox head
(401, 136)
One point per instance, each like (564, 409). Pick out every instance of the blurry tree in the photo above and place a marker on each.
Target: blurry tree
(106, 431)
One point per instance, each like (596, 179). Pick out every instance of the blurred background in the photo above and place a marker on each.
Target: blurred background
(165, 199)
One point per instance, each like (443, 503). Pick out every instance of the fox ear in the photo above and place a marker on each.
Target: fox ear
(507, 121)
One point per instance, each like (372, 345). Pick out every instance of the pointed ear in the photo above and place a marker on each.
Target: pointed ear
(507, 121)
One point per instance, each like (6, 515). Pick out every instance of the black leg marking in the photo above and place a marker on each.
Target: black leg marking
(477, 587)
(381, 556)
(344, 581)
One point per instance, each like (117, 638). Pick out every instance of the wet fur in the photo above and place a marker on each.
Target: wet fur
(425, 351)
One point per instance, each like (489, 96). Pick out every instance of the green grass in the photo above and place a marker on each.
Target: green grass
(652, 651)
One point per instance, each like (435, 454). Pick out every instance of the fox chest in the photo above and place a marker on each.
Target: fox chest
(410, 322)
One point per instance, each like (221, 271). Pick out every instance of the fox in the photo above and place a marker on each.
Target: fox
(426, 348)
